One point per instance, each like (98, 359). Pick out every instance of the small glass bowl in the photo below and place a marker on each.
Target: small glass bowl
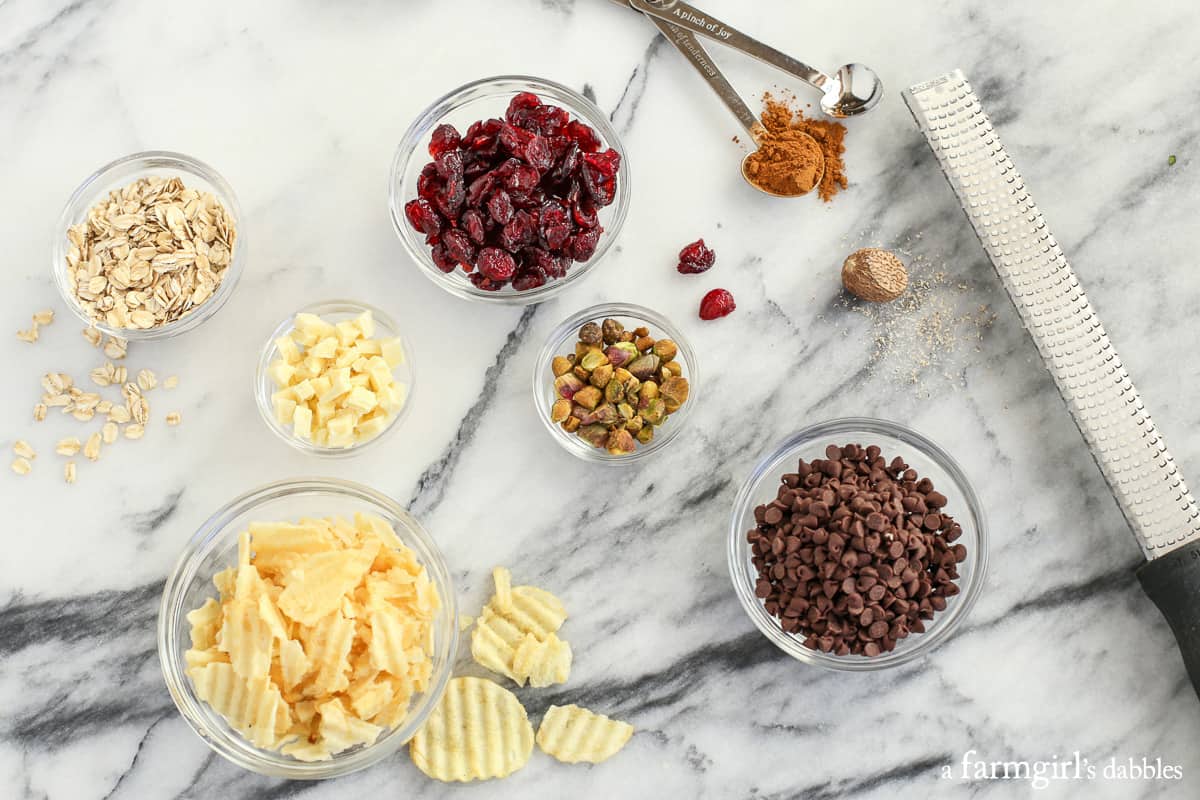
(484, 99)
(333, 311)
(214, 548)
(196, 175)
(930, 461)
(562, 342)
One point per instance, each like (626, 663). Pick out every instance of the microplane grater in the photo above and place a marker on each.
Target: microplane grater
(1127, 447)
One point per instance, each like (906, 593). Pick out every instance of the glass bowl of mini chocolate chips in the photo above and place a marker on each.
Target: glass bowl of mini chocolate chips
(857, 544)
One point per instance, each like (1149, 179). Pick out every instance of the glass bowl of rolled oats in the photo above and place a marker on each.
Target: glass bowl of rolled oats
(149, 246)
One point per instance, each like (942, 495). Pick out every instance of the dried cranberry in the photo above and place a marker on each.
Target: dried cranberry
(519, 232)
(583, 211)
(458, 246)
(602, 190)
(450, 165)
(422, 216)
(495, 264)
(472, 223)
(484, 283)
(554, 225)
(441, 259)
(522, 179)
(549, 120)
(514, 139)
(583, 245)
(450, 199)
(500, 207)
(606, 163)
(529, 279)
(696, 258)
(479, 189)
(445, 138)
(520, 105)
(538, 154)
(567, 163)
(428, 182)
(588, 139)
(717, 303)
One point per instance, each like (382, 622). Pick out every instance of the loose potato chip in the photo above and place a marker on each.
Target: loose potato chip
(572, 734)
(250, 707)
(543, 662)
(477, 731)
(498, 633)
(316, 586)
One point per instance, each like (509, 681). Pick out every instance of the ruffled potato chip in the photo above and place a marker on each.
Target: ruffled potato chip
(478, 730)
(509, 617)
(572, 734)
(542, 662)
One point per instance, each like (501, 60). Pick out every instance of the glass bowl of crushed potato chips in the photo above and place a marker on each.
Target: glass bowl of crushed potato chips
(334, 378)
(308, 629)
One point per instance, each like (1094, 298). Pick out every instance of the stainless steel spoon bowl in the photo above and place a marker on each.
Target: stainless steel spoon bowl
(853, 89)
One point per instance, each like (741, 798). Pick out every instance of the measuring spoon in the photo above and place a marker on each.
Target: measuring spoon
(686, 43)
(853, 89)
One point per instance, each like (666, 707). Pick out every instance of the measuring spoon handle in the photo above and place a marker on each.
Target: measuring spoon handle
(686, 16)
(686, 43)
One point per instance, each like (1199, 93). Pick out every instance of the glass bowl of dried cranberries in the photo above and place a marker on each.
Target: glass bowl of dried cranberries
(508, 189)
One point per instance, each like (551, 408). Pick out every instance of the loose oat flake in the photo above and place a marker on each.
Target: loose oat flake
(23, 449)
(68, 446)
(134, 430)
(69, 472)
(174, 418)
(150, 253)
(21, 466)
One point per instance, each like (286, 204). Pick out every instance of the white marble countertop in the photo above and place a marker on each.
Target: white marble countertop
(300, 107)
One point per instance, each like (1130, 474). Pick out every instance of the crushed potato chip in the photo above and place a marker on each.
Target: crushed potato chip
(541, 662)
(478, 730)
(321, 635)
(572, 734)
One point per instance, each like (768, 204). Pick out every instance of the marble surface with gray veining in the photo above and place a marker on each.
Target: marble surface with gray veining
(301, 104)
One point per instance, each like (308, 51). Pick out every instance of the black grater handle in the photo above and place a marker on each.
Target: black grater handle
(1173, 582)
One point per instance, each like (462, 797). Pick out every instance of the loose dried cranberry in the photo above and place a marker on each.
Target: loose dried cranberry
(717, 303)
(495, 264)
(422, 216)
(583, 245)
(445, 138)
(529, 279)
(472, 223)
(587, 138)
(500, 207)
(696, 258)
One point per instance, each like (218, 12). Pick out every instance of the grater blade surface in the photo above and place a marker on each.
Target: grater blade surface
(1090, 376)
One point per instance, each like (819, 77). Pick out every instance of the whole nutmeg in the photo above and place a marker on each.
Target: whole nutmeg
(874, 274)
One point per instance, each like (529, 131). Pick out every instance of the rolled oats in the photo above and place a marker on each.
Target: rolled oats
(91, 450)
(109, 432)
(93, 336)
(171, 382)
(43, 317)
(174, 418)
(39, 412)
(134, 430)
(150, 253)
(69, 472)
(21, 466)
(120, 415)
(30, 335)
(115, 348)
(69, 446)
(23, 449)
(147, 380)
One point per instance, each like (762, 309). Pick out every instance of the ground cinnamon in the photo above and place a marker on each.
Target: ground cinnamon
(787, 162)
(779, 152)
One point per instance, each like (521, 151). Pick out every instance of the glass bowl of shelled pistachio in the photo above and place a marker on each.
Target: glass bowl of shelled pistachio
(615, 383)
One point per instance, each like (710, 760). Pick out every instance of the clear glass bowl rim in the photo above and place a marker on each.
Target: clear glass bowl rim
(498, 85)
(137, 164)
(171, 612)
(743, 579)
(263, 387)
(567, 330)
